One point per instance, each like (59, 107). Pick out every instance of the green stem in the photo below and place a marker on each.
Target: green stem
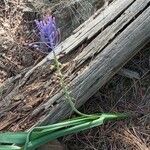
(65, 90)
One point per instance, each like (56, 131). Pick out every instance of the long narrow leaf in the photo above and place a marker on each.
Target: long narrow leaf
(20, 137)
(56, 127)
(13, 138)
(71, 130)
(41, 135)
(8, 147)
(52, 128)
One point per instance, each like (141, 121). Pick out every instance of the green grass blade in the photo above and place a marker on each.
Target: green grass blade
(33, 134)
(20, 137)
(43, 130)
(10, 147)
(69, 122)
(77, 128)
(41, 135)
(13, 138)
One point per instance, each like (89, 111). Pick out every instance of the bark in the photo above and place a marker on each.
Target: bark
(93, 54)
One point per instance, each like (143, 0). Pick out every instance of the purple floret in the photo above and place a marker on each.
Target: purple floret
(49, 34)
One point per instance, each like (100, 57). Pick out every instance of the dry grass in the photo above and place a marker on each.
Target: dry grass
(133, 138)
(14, 56)
(10, 20)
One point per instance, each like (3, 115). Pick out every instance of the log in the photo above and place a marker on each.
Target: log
(95, 52)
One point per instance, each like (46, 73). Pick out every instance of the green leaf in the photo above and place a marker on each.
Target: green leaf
(20, 137)
(41, 135)
(73, 129)
(37, 132)
(13, 138)
(10, 147)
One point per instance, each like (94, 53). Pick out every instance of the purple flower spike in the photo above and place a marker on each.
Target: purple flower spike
(48, 31)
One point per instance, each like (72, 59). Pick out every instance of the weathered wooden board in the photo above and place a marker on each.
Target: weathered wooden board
(96, 51)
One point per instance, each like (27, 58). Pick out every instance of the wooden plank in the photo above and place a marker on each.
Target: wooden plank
(107, 35)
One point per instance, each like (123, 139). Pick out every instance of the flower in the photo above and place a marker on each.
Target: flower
(48, 31)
